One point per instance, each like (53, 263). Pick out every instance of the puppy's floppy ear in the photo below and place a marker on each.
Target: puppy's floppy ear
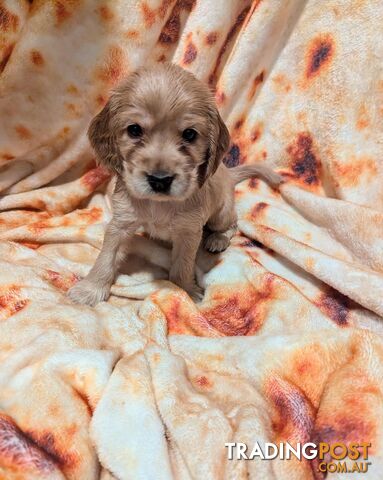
(218, 144)
(103, 140)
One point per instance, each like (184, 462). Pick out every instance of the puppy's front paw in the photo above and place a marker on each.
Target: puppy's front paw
(190, 286)
(87, 292)
(195, 293)
(216, 242)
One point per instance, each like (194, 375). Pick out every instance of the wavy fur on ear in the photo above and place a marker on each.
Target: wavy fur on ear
(103, 141)
(219, 140)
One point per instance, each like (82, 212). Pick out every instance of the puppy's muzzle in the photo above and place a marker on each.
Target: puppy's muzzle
(160, 182)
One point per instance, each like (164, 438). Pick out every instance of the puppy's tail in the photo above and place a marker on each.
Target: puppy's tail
(244, 172)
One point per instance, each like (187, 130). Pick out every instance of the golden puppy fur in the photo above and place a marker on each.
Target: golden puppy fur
(162, 135)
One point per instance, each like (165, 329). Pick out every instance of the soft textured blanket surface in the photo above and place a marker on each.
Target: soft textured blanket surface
(287, 343)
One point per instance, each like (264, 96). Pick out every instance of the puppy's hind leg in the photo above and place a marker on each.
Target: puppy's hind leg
(222, 225)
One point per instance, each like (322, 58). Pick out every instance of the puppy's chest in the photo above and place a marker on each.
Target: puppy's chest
(158, 223)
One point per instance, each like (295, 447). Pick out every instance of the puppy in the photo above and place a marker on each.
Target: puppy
(162, 136)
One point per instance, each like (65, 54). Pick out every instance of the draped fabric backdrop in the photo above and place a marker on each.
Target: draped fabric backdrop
(287, 343)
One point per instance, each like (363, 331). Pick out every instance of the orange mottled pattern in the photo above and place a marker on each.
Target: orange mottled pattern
(20, 453)
(11, 301)
(60, 281)
(95, 177)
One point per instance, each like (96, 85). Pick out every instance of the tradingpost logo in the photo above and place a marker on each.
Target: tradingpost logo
(344, 458)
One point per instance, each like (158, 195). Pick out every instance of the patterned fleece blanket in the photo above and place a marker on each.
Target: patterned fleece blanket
(287, 344)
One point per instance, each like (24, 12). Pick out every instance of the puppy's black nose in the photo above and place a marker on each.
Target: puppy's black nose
(160, 182)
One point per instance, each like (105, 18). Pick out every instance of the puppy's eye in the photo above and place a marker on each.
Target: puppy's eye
(189, 135)
(135, 131)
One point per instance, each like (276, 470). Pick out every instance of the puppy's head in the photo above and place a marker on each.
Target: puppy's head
(161, 132)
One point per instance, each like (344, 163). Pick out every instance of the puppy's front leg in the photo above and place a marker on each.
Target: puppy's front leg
(95, 287)
(182, 271)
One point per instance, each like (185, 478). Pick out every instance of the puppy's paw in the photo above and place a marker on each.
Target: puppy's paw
(216, 242)
(196, 293)
(87, 292)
